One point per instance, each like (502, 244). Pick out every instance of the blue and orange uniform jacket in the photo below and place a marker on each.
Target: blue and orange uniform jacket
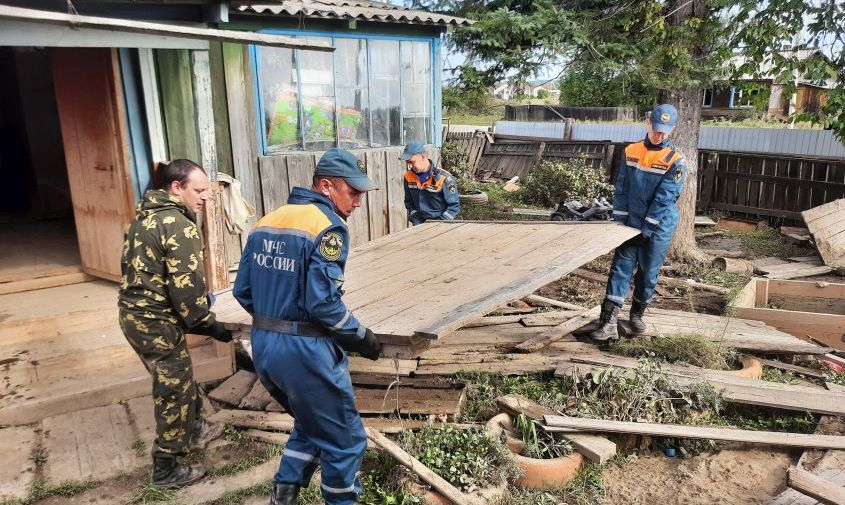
(292, 266)
(648, 186)
(435, 199)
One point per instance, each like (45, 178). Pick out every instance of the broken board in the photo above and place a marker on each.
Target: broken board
(480, 267)
(827, 224)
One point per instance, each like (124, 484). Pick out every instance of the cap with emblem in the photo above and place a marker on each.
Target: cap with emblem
(664, 117)
(341, 163)
(412, 149)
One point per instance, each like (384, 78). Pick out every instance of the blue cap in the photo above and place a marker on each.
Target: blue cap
(341, 163)
(664, 117)
(413, 148)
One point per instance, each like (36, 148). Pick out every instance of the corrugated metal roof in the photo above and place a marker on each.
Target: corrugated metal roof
(360, 10)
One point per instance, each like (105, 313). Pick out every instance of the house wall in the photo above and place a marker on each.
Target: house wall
(268, 179)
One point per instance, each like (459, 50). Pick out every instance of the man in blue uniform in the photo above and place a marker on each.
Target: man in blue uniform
(648, 186)
(290, 279)
(431, 193)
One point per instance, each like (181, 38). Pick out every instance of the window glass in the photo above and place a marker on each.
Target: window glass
(416, 91)
(277, 81)
(353, 105)
(317, 87)
(384, 102)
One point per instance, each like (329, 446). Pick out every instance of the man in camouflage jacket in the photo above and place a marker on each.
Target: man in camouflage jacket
(163, 295)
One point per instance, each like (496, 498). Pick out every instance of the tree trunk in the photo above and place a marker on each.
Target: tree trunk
(685, 138)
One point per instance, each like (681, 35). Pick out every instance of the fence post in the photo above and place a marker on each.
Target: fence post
(567, 129)
(538, 156)
(708, 178)
(609, 149)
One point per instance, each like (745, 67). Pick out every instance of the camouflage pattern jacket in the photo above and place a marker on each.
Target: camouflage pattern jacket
(162, 264)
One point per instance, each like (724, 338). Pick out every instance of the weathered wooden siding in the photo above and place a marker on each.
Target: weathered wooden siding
(381, 212)
(177, 103)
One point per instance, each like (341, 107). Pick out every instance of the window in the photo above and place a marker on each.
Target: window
(369, 92)
(385, 99)
(416, 92)
(743, 97)
(353, 99)
(707, 100)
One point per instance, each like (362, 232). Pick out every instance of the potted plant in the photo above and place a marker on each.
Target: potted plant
(546, 461)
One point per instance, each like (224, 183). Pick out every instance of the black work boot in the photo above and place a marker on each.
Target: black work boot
(204, 432)
(607, 331)
(636, 319)
(284, 494)
(167, 473)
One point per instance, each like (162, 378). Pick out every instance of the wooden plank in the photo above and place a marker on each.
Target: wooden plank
(493, 321)
(827, 328)
(551, 302)
(152, 106)
(413, 464)
(378, 210)
(559, 331)
(703, 432)
(44, 282)
(815, 487)
(826, 223)
(148, 28)
(734, 389)
(590, 276)
(809, 372)
(595, 448)
(242, 128)
(275, 189)
(257, 399)
(234, 389)
(397, 216)
(550, 318)
(177, 100)
(799, 289)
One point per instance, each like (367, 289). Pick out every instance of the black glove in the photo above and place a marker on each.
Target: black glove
(214, 330)
(369, 347)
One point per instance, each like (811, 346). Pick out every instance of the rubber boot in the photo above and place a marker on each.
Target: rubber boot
(167, 473)
(636, 319)
(607, 331)
(204, 432)
(284, 494)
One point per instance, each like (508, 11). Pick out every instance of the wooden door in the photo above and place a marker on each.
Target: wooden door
(90, 103)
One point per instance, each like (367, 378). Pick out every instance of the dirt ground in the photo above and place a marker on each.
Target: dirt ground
(734, 476)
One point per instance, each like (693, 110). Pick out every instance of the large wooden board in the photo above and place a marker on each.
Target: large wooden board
(827, 224)
(734, 389)
(740, 334)
(456, 271)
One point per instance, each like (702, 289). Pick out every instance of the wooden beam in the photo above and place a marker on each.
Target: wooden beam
(551, 302)
(152, 106)
(437, 482)
(815, 487)
(558, 332)
(595, 448)
(145, 27)
(702, 432)
(44, 282)
(809, 372)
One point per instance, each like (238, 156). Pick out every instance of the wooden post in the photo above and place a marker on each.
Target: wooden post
(707, 181)
(155, 124)
(538, 156)
(608, 159)
(567, 129)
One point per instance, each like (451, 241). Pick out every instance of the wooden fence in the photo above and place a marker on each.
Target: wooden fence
(470, 143)
(743, 185)
(561, 112)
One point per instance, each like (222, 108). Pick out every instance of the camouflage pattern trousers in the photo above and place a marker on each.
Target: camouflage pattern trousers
(164, 351)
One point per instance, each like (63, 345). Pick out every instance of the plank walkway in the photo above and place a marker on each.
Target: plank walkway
(63, 350)
(478, 267)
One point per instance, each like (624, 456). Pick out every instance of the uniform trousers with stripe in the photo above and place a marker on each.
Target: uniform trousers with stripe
(643, 256)
(309, 377)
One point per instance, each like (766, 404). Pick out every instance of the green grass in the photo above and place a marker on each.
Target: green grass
(41, 489)
(748, 417)
(238, 496)
(150, 493)
(693, 349)
(486, 387)
(767, 242)
(38, 456)
(587, 488)
(140, 448)
(238, 466)
(475, 119)
(772, 374)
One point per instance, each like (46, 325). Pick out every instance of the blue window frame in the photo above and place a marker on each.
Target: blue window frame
(372, 91)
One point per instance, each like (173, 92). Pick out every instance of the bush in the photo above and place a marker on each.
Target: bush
(692, 349)
(468, 459)
(456, 162)
(555, 182)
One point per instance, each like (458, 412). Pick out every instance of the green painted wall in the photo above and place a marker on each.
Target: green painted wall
(177, 103)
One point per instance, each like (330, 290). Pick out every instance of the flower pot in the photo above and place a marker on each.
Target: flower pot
(474, 197)
(538, 473)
